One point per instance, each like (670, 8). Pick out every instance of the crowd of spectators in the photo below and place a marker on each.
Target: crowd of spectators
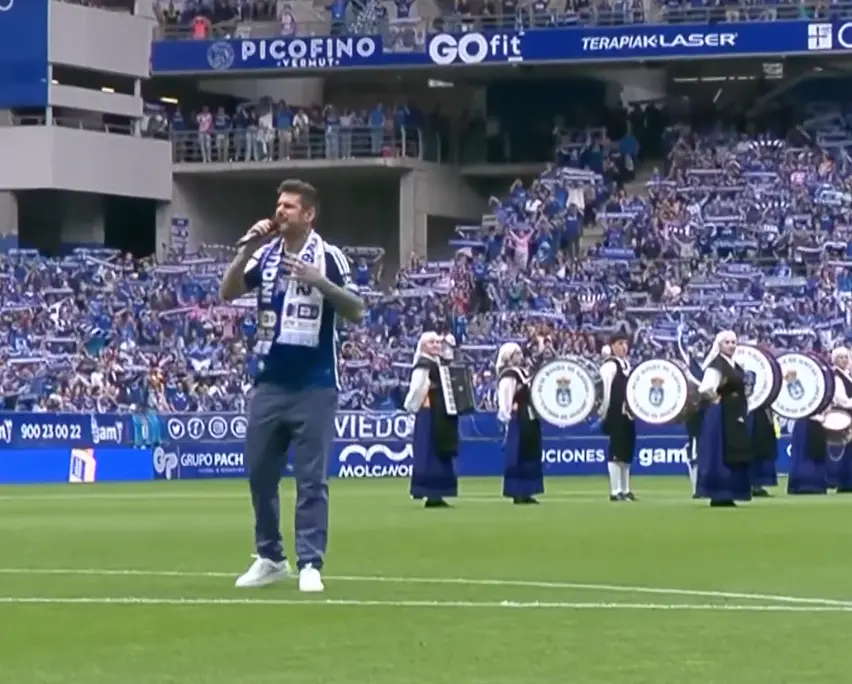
(750, 233)
(274, 131)
(203, 19)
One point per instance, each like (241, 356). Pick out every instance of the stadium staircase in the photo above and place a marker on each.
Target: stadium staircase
(311, 17)
(594, 234)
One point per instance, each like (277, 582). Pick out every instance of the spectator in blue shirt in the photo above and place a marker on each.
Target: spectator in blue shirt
(222, 127)
(284, 126)
(338, 9)
(376, 121)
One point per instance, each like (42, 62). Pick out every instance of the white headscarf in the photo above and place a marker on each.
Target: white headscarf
(425, 338)
(505, 354)
(716, 349)
(840, 351)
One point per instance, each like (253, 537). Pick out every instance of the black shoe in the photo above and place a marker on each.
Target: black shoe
(629, 497)
(760, 492)
(436, 503)
(696, 497)
(616, 497)
(723, 504)
(521, 500)
(843, 490)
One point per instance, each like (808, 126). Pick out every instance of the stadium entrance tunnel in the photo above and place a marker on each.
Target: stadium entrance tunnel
(391, 208)
(355, 209)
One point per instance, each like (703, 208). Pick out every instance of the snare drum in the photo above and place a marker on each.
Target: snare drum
(659, 392)
(807, 386)
(838, 427)
(763, 375)
(566, 392)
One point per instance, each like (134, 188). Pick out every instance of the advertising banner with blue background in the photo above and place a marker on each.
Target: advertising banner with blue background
(41, 447)
(536, 46)
(24, 40)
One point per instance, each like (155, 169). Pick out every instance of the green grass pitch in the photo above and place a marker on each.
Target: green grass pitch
(133, 584)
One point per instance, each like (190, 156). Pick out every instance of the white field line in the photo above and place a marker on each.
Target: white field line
(516, 605)
(653, 498)
(462, 581)
(87, 494)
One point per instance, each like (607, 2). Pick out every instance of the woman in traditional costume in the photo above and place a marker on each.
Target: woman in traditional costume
(523, 475)
(436, 433)
(808, 451)
(724, 445)
(839, 465)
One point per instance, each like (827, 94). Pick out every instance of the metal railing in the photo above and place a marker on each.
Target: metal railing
(125, 6)
(261, 145)
(525, 18)
(70, 122)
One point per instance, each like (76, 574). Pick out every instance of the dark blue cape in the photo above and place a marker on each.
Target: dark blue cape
(807, 476)
(524, 474)
(763, 470)
(717, 480)
(839, 468)
(432, 476)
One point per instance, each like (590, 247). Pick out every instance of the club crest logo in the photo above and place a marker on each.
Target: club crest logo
(794, 385)
(656, 395)
(657, 392)
(565, 392)
(220, 56)
(808, 386)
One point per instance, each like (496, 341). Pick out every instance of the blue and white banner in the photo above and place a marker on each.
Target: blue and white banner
(74, 466)
(534, 46)
(45, 448)
(82, 430)
(657, 455)
(24, 39)
(30, 430)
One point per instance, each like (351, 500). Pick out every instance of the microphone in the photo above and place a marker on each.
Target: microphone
(248, 237)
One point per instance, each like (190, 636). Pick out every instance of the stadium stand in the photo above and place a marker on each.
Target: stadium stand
(745, 233)
(750, 232)
(409, 20)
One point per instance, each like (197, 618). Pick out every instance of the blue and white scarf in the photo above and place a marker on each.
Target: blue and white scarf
(289, 311)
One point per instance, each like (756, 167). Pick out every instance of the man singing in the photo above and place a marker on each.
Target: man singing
(303, 284)
(616, 421)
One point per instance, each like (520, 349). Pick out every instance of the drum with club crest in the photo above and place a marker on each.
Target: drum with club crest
(661, 391)
(566, 392)
(807, 386)
(763, 377)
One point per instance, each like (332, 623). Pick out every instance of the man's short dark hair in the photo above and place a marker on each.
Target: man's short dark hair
(308, 195)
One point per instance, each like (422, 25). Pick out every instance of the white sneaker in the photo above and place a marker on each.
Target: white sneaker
(310, 579)
(263, 572)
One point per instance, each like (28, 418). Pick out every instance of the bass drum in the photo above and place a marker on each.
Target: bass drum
(763, 375)
(660, 392)
(807, 386)
(566, 392)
